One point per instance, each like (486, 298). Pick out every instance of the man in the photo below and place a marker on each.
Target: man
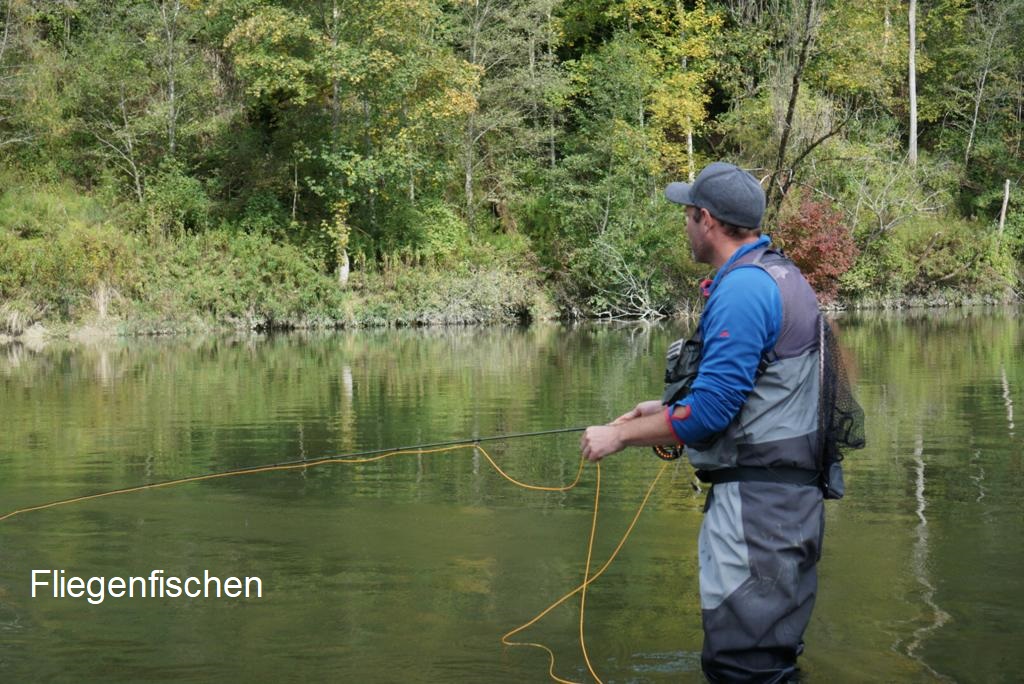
(747, 414)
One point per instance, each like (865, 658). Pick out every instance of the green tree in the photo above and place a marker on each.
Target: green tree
(354, 103)
(519, 91)
(137, 88)
(640, 91)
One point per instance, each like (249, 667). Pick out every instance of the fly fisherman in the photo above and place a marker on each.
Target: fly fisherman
(743, 402)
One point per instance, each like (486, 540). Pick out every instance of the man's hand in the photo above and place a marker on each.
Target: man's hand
(643, 426)
(644, 408)
(601, 440)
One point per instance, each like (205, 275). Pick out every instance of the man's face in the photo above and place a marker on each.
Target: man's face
(697, 230)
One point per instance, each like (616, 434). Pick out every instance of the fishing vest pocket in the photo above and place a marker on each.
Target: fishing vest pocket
(681, 364)
(832, 485)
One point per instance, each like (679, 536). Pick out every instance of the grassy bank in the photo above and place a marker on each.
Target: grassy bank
(106, 280)
(68, 263)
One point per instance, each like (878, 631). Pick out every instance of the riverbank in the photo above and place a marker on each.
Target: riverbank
(478, 296)
(498, 301)
(73, 267)
(100, 281)
(84, 280)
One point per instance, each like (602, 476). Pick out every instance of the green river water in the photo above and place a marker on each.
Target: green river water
(410, 569)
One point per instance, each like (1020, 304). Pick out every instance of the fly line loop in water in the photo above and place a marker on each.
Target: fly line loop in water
(589, 577)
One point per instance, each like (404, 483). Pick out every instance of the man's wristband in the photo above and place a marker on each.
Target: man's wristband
(671, 453)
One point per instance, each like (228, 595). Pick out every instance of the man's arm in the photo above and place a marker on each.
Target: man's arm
(650, 429)
(743, 322)
(644, 408)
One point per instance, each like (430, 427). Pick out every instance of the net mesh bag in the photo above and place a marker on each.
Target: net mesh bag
(840, 416)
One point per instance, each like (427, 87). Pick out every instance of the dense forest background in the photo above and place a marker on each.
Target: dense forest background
(175, 163)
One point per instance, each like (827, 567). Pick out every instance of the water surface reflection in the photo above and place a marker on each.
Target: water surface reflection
(410, 569)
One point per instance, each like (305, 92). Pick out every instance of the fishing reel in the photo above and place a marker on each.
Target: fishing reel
(668, 453)
(671, 453)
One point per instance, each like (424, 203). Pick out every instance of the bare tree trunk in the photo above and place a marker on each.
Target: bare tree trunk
(887, 23)
(335, 84)
(1020, 114)
(533, 77)
(683, 64)
(7, 33)
(295, 191)
(1006, 203)
(912, 80)
(122, 144)
(172, 116)
(344, 268)
(472, 134)
(551, 117)
(690, 164)
(551, 139)
(974, 118)
(4, 38)
(369, 152)
(169, 13)
(470, 162)
(992, 27)
(774, 196)
(980, 92)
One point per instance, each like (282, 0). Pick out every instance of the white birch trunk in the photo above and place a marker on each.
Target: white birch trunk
(1006, 203)
(912, 80)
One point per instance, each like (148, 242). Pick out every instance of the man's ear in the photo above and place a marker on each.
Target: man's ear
(702, 217)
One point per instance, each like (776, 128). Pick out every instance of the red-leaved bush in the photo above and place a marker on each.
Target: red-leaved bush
(812, 234)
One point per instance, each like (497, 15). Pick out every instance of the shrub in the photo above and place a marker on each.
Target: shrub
(37, 211)
(814, 236)
(443, 233)
(882, 269)
(264, 213)
(244, 279)
(431, 295)
(639, 266)
(1013, 234)
(953, 254)
(176, 202)
(62, 274)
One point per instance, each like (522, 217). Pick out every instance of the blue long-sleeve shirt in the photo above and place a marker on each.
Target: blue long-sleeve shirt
(741, 321)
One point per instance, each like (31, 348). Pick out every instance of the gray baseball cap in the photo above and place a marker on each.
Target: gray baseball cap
(728, 192)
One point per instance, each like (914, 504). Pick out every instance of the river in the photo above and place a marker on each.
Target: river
(412, 567)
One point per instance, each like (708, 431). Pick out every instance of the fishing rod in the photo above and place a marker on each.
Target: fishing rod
(436, 445)
(354, 457)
